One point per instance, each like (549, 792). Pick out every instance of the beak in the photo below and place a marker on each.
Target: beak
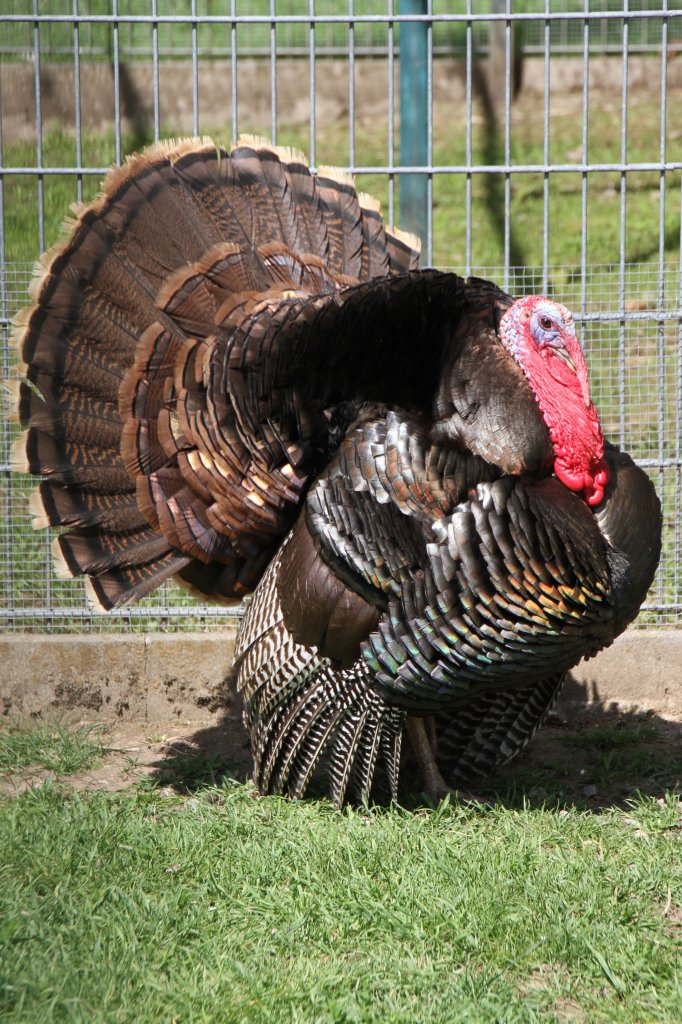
(562, 354)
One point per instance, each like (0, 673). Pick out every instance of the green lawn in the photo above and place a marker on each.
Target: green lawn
(150, 905)
(175, 40)
(49, 745)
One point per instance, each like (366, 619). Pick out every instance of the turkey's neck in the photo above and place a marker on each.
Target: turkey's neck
(577, 440)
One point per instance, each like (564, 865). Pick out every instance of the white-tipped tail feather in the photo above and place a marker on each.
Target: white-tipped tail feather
(40, 519)
(92, 598)
(18, 459)
(61, 566)
(287, 154)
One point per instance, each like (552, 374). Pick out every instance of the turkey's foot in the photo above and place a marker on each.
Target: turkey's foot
(433, 784)
(422, 734)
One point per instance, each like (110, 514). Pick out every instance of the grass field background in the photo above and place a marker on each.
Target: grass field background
(184, 898)
(136, 39)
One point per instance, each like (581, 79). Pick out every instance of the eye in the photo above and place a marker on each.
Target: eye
(546, 323)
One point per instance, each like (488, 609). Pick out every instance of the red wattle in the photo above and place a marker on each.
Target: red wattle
(592, 486)
(594, 493)
(573, 479)
(594, 496)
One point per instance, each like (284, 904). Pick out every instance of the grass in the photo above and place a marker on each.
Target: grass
(146, 905)
(48, 744)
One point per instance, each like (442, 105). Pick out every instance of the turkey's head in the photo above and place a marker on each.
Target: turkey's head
(540, 335)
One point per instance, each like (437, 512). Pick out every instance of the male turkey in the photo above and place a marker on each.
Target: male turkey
(235, 373)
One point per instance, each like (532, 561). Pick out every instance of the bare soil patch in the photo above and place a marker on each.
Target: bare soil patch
(592, 757)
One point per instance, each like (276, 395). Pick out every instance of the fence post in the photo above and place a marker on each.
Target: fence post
(413, 119)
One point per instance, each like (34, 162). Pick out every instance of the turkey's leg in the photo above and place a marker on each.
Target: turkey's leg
(433, 783)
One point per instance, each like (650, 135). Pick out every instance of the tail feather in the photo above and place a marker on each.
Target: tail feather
(147, 201)
(132, 583)
(84, 420)
(225, 583)
(70, 463)
(193, 294)
(313, 228)
(343, 217)
(403, 251)
(184, 516)
(265, 177)
(92, 551)
(147, 360)
(101, 347)
(53, 505)
(221, 194)
(375, 257)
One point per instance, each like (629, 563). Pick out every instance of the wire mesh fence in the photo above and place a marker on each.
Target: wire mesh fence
(552, 163)
(257, 21)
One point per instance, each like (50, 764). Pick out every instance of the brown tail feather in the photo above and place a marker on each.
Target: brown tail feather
(375, 258)
(272, 201)
(81, 419)
(343, 218)
(92, 550)
(53, 505)
(403, 251)
(310, 215)
(225, 583)
(73, 465)
(122, 586)
(212, 179)
(159, 452)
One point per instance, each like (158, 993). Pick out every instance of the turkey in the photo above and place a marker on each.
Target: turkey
(235, 375)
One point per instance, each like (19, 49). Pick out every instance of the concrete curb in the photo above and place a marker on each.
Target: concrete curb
(155, 678)
(185, 676)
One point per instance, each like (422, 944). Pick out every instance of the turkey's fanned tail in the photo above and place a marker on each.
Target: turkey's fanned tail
(146, 462)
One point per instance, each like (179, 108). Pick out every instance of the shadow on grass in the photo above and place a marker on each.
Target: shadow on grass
(206, 757)
(591, 759)
(586, 757)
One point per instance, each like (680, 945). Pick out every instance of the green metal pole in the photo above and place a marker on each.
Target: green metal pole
(414, 119)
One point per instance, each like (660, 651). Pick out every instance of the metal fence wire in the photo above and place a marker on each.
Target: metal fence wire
(551, 161)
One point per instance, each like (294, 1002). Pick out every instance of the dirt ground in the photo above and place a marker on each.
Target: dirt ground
(592, 757)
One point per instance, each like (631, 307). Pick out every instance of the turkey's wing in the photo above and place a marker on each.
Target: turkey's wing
(482, 583)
